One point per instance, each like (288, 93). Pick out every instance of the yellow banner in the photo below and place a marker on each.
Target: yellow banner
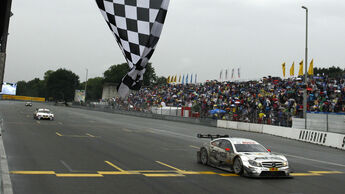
(283, 66)
(300, 72)
(292, 69)
(311, 67)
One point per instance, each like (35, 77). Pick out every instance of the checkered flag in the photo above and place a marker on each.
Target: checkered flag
(137, 25)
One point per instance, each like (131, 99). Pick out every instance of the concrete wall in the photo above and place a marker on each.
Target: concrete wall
(109, 91)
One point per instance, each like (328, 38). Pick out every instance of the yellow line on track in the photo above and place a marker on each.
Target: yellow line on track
(326, 172)
(77, 175)
(197, 172)
(163, 175)
(89, 135)
(304, 174)
(32, 172)
(58, 134)
(113, 165)
(227, 174)
(145, 171)
(117, 172)
(167, 165)
(127, 130)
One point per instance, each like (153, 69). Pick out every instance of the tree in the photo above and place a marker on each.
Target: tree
(161, 81)
(150, 76)
(61, 84)
(21, 88)
(94, 88)
(115, 73)
(34, 88)
(332, 72)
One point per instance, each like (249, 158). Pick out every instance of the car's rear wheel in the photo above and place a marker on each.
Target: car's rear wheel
(204, 156)
(238, 167)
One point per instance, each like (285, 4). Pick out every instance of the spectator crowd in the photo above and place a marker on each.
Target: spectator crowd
(270, 100)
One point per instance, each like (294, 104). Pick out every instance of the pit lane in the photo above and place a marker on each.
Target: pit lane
(94, 152)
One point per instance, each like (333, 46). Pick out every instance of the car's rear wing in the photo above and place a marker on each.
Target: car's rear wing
(210, 136)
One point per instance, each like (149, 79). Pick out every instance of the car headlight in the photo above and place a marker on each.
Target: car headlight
(254, 163)
(285, 163)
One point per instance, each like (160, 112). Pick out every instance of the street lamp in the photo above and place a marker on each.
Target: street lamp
(305, 71)
(85, 85)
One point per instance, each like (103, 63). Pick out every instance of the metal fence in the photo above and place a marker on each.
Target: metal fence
(322, 121)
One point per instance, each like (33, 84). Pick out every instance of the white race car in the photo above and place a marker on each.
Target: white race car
(43, 113)
(242, 156)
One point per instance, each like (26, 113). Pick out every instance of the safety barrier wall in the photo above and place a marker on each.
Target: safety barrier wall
(23, 98)
(311, 136)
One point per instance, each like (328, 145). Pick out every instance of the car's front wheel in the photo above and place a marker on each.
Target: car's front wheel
(238, 167)
(204, 156)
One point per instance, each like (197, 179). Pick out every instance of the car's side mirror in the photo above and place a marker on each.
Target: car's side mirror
(227, 149)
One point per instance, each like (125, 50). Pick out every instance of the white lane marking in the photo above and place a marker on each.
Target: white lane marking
(314, 160)
(194, 147)
(66, 165)
(5, 175)
(60, 123)
(170, 133)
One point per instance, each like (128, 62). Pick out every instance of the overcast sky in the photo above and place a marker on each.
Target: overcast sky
(199, 36)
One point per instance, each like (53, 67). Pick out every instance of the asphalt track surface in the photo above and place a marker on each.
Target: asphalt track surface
(85, 151)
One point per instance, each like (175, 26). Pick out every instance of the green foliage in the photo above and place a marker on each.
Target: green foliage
(115, 73)
(332, 72)
(61, 84)
(161, 81)
(34, 88)
(150, 75)
(94, 88)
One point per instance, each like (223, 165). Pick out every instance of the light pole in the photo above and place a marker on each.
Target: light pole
(305, 70)
(85, 85)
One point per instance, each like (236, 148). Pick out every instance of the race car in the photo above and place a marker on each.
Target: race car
(28, 104)
(245, 157)
(43, 113)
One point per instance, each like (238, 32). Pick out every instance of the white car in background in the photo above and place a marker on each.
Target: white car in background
(242, 156)
(43, 113)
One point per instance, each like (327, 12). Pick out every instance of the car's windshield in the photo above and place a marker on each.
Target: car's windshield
(250, 148)
(44, 111)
